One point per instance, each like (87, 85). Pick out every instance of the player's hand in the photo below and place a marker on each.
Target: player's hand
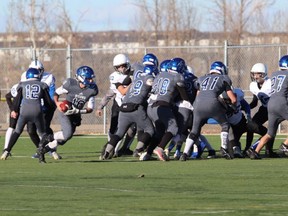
(99, 112)
(14, 114)
(72, 111)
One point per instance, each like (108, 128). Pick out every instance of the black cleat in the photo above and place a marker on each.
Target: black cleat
(253, 154)
(271, 154)
(225, 154)
(211, 154)
(183, 157)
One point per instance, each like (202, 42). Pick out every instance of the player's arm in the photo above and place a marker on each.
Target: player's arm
(9, 100)
(123, 87)
(59, 91)
(246, 107)
(47, 99)
(180, 85)
(105, 100)
(254, 102)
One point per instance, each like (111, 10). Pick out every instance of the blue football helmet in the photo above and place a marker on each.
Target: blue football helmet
(150, 59)
(150, 70)
(85, 75)
(218, 67)
(33, 73)
(283, 62)
(177, 65)
(164, 65)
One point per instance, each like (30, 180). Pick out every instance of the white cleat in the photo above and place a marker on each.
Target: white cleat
(4, 155)
(56, 156)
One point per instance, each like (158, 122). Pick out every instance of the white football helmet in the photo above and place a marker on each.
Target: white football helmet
(258, 68)
(121, 60)
(37, 65)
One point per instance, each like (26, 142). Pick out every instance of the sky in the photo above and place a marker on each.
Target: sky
(105, 15)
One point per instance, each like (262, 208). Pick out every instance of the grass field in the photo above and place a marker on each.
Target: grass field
(81, 184)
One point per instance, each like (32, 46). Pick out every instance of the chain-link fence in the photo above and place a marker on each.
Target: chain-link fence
(63, 63)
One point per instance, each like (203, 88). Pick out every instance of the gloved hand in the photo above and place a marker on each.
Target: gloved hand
(72, 111)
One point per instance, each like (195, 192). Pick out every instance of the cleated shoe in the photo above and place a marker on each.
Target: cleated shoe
(105, 156)
(184, 157)
(237, 152)
(55, 155)
(160, 154)
(271, 154)
(211, 154)
(145, 156)
(5, 155)
(225, 153)
(177, 154)
(283, 149)
(167, 152)
(36, 155)
(138, 152)
(253, 154)
(41, 158)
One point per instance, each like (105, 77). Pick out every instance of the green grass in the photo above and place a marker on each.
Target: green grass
(81, 184)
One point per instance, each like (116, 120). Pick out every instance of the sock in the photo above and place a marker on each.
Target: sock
(224, 140)
(255, 144)
(207, 144)
(8, 136)
(188, 145)
(195, 151)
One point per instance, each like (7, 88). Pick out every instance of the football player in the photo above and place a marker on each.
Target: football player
(78, 91)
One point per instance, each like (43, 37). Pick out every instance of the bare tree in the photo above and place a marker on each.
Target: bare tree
(235, 18)
(168, 18)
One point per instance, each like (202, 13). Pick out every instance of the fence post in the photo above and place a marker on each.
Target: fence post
(68, 61)
(226, 53)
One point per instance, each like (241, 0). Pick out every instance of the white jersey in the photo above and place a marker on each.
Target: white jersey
(117, 77)
(263, 93)
(14, 90)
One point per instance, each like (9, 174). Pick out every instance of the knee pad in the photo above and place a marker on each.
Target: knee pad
(192, 136)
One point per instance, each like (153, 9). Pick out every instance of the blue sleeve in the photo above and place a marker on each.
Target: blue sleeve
(52, 91)
(245, 106)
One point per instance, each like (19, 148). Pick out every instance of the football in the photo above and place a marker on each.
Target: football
(65, 105)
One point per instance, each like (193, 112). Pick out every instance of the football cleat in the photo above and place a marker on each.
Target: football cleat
(184, 157)
(283, 149)
(145, 156)
(177, 154)
(253, 154)
(55, 155)
(237, 152)
(211, 154)
(225, 153)
(5, 155)
(36, 155)
(160, 154)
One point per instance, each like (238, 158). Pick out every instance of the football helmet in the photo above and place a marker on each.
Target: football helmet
(258, 68)
(190, 69)
(121, 61)
(150, 59)
(85, 75)
(150, 70)
(164, 65)
(33, 73)
(37, 65)
(283, 62)
(177, 65)
(218, 67)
